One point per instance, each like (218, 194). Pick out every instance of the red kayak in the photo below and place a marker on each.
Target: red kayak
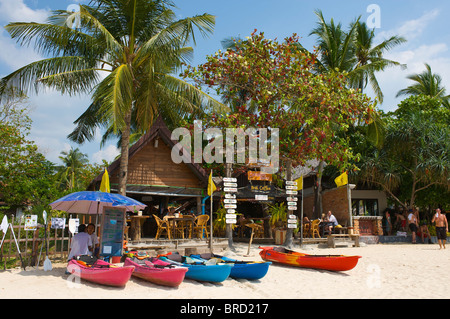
(325, 262)
(100, 272)
(157, 271)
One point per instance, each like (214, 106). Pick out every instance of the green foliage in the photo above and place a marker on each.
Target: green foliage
(278, 214)
(309, 109)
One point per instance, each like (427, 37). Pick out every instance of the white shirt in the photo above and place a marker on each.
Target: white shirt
(80, 245)
(333, 220)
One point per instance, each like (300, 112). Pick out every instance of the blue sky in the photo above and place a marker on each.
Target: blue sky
(424, 24)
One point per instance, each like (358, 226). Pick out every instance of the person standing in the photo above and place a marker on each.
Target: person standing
(413, 225)
(441, 227)
(94, 239)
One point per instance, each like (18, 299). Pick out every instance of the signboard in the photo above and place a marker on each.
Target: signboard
(230, 179)
(258, 176)
(261, 197)
(230, 189)
(112, 228)
(58, 223)
(30, 222)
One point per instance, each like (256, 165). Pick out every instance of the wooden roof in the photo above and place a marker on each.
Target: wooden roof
(143, 153)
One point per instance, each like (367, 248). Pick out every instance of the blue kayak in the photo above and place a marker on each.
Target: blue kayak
(252, 270)
(200, 270)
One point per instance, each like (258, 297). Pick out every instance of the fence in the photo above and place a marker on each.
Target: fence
(31, 243)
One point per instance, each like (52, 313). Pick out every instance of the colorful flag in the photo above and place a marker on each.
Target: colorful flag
(211, 186)
(300, 183)
(104, 186)
(342, 180)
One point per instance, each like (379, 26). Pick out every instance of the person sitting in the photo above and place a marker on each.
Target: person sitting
(332, 223)
(423, 232)
(81, 243)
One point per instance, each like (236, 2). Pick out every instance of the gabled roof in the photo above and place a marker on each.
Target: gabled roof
(159, 129)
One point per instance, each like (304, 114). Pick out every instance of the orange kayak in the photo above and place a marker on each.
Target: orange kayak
(324, 262)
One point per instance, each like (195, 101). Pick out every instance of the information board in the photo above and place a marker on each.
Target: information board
(112, 228)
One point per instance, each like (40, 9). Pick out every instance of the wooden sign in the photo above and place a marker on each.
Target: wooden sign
(258, 176)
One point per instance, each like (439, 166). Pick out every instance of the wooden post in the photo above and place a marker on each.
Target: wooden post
(290, 231)
(229, 227)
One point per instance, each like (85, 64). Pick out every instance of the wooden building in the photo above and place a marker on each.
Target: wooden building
(154, 179)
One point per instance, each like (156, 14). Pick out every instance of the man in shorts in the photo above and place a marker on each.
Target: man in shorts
(441, 227)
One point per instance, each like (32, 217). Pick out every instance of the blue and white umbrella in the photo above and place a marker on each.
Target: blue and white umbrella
(93, 202)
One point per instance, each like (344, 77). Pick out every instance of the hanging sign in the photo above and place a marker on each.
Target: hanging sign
(30, 222)
(258, 176)
(58, 223)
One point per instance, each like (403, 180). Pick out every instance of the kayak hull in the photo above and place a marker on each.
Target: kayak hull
(250, 270)
(201, 272)
(329, 262)
(114, 276)
(170, 277)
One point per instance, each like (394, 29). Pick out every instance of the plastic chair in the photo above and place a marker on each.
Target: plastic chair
(315, 228)
(163, 225)
(200, 226)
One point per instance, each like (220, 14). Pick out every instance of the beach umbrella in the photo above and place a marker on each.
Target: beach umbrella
(104, 186)
(93, 202)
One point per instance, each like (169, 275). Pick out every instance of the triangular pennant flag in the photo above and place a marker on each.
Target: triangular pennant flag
(211, 186)
(342, 180)
(104, 186)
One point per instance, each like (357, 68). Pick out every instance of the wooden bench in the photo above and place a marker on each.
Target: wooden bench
(332, 239)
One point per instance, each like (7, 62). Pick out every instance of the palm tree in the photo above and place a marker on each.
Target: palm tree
(354, 52)
(137, 44)
(427, 83)
(369, 58)
(73, 161)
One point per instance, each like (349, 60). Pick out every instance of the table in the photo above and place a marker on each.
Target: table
(173, 223)
(135, 229)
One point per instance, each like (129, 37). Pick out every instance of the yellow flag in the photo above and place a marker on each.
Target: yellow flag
(211, 186)
(299, 183)
(104, 186)
(342, 180)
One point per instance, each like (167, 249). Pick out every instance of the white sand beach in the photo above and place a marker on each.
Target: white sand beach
(388, 271)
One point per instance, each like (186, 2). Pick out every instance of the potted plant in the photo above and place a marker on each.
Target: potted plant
(278, 221)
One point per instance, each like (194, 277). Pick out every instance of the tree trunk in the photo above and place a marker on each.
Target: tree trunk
(318, 210)
(123, 174)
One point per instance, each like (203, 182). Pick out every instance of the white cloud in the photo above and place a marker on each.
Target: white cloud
(411, 29)
(414, 56)
(17, 10)
(109, 154)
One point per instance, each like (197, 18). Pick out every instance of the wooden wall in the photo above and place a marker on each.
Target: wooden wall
(154, 166)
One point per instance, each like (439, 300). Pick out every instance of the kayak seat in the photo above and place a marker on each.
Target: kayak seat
(279, 249)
